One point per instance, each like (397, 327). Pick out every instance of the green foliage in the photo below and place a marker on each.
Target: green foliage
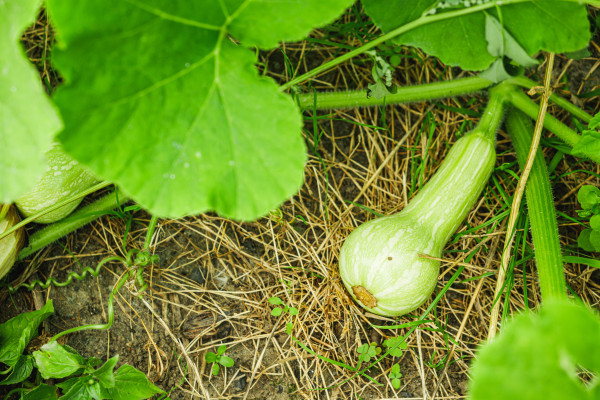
(163, 88)
(589, 198)
(23, 139)
(395, 346)
(16, 333)
(395, 376)
(218, 358)
(382, 75)
(277, 311)
(56, 361)
(464, 37)
(590, 139)
(366, 352)
(541, 356)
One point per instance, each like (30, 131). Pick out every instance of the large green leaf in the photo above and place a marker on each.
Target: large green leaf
(539, 356)
(159, 100)
(461, 40)
(131, 384)
(264, 23)
(16, 333)
(28, 121)
(54, 360)
(41, 392)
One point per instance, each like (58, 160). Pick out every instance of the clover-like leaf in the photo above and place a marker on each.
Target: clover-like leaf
(537, 356)
(595, 239)
(276, 312)
(215, 369)
(395, 345)
(159, 100)
(584, 241)
(29, 120)
(395, 376)
(363, 348)
(588, 196)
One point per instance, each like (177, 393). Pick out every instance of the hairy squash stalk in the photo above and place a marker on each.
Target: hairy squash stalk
(63, 179)
(542, 214)
(11, 244)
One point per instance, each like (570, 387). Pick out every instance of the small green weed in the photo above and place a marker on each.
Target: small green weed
(218, 358)
(277, 311)
(395, 349)
(367, 351)
(589, 198)
(395, 376)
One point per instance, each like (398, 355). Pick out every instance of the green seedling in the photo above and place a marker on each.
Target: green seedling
(395, 346)
(589, 198)
(218, 358)
(395, 376)
(277, 311)
(366, 352)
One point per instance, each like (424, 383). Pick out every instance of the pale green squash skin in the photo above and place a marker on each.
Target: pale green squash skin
(64, 178)
(11, 244)
(382, 255)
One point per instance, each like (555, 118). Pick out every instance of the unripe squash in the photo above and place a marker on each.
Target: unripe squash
(379, 262)
(64, 178)
(11, 244)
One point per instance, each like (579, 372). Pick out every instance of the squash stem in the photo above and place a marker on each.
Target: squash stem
(494, 112)
(542, 214)
(79, 218)
(521, 101)
(4, 210)
(577, 112)
(111, 313)
(407, 94)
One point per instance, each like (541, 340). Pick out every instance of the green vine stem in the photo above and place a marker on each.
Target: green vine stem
(542, 214)
(72, 275)
(4, 210)
(110, 310)
(559, 101)
(359, 98)
(421, 21)
(79, 218)
(521, 101)
(493, 113)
